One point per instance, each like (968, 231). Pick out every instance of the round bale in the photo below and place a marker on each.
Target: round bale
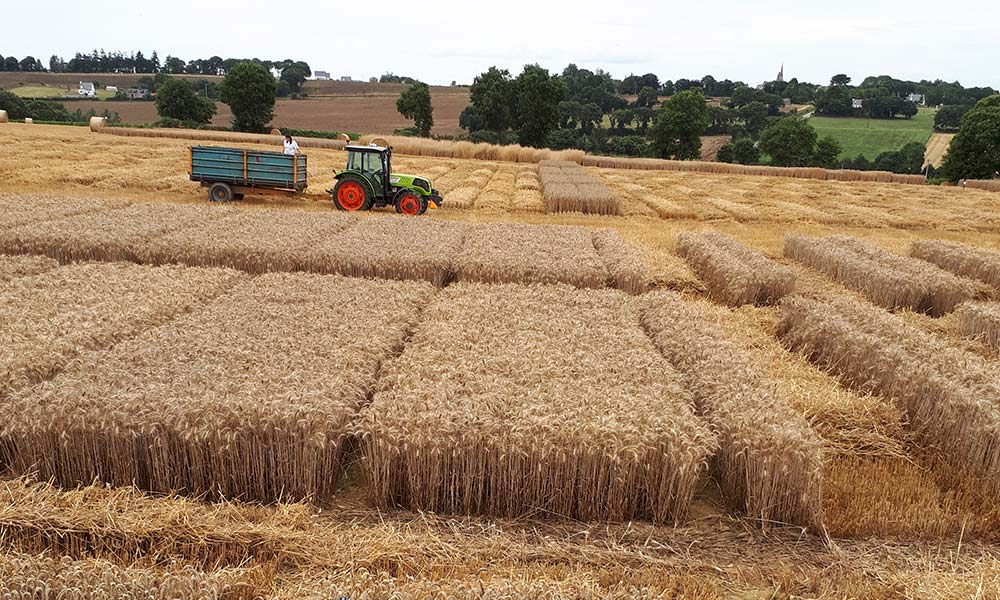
(29, 120)
(98, 123)
(275, 131)
(3, 116)
(380, 142)
(344, 137)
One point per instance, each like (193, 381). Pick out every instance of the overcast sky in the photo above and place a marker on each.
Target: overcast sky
(439, 41)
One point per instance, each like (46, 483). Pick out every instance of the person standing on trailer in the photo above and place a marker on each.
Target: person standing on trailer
(291, 146)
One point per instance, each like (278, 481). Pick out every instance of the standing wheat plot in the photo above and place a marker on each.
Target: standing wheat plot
(769, 462)
(546, 400)
(250, 397)
(733, 273)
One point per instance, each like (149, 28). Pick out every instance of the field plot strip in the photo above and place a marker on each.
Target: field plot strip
(46, 576)
(982, 264)
(502, 253)
(513, 400)
(887, 279)
(769, 461)
(111, 235)
(24, 266)
(252, 241)
(980, 320)
(567, 187)
(250, 397)
(48, 319)
(951, 397)
(390, 248)
(733, 273)
(17, 209)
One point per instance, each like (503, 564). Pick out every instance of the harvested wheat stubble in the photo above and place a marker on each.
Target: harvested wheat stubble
(47, 319)
(733, 273)
(23, 266)
(739, 212)
(390, 248)
(961, 259)
(624, 264)
(507, 253)
(19, 209)
(250, 397)
(769, 461)
(255, 241)
(25, 576)
(512, 400)
(887, 279)
(951, 397)
(110, 235)
(567, 187)
(980, 320)
(122, 525)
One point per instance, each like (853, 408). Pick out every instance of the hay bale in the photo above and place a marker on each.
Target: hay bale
(28, 120)
(380, 142)
(344, 137)
(98, 123)
(275, 131)
(3, 116)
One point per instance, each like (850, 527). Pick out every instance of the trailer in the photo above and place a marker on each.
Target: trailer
(230, 173)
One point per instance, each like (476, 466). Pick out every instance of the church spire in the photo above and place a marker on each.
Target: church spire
(781, 73)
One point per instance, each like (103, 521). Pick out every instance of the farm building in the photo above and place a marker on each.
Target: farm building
(137, 93)
(321, 75)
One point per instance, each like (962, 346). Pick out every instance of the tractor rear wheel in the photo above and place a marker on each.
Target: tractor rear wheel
(409, 203)
(351, 194)
(220, 192)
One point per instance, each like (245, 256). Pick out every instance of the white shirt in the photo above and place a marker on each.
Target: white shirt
(291, 147)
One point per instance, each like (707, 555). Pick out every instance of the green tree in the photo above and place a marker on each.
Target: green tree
(679, 124)
(176, 100)
(840, 79)
(295, 74)
(490, 96)
(790, 142)
(908, 159)
(974, 152)
(826, 153)
(14, 105)
(249, 90)
(742, 151)
(647, 97)
(536, 108)
(948, 118)
(415, 103)
(754, 115)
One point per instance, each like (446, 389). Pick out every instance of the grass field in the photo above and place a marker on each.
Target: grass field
(871, 137)
(526, 413)
(44, 91)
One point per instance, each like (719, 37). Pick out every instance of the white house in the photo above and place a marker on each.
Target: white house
(86, 89)
(111, 88)
(916, 98)
(857, 102)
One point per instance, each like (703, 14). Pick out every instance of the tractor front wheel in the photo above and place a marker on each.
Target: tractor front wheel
(409, 203)
(351, 194)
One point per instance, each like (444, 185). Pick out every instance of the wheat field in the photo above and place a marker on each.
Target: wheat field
(274, 400)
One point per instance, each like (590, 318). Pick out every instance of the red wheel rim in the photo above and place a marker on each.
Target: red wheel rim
(409, 205)
(351, 195)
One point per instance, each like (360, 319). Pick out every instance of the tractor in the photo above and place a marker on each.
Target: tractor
(369, 182)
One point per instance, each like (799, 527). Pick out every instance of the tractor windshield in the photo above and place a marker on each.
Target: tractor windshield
(368, 162)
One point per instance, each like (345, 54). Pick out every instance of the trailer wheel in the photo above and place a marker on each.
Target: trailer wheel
(220, 192)
(350, 194)
(408, 203)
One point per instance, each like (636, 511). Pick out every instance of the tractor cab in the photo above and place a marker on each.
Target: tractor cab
(369, 182)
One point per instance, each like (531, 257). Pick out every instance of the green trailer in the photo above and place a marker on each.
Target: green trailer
(229, 173)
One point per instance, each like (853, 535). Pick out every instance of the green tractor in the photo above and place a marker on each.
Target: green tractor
(369, 182)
